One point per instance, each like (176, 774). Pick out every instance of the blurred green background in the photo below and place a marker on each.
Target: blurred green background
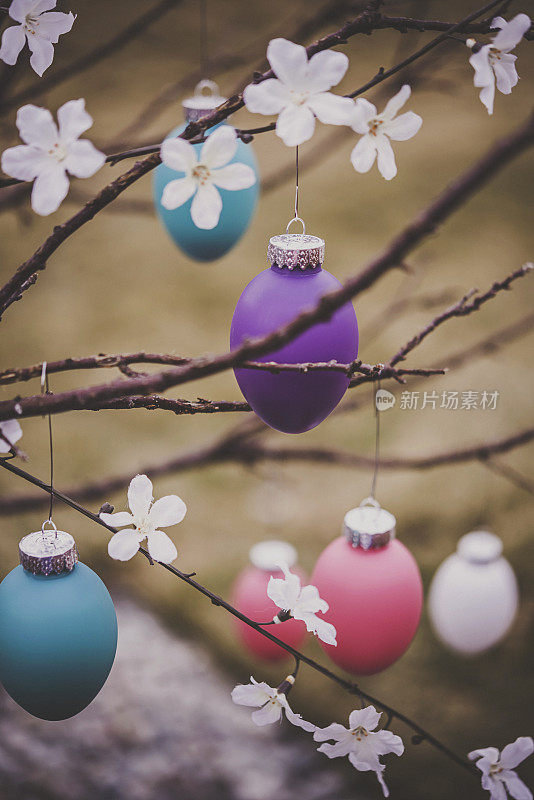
(120, 285)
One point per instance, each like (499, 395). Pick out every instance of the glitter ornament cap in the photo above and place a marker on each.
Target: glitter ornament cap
(369, 526)
(48, 551)
(296, 251)
(270, 554)
(206, 97)
(479, 547)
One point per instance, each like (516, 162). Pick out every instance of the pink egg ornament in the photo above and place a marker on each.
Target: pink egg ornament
(250, 597)
(373, 586)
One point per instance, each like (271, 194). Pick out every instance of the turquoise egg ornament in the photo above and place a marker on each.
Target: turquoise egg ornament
(58, 628)
(237, 206)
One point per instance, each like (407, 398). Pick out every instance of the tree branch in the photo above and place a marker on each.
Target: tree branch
(240, 447)
(424, 225)
(216, 600)
(124, 37)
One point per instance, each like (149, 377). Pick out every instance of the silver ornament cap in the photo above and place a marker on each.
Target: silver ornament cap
(48, 551)
(205, 98)
(299, 252)
(270, 554)
(369, 526)
(479, 547)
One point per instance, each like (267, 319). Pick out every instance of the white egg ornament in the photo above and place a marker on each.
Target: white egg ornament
(473, 596)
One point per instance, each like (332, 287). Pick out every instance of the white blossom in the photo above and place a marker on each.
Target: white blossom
(204, 174)
(361, 742)
(270, 704)
(378, 129)
(49, 154)
(299, 93)
(40, 27)
(497, 769)
(12, 432)
(146, 517)
(302, 603)
(495, 63)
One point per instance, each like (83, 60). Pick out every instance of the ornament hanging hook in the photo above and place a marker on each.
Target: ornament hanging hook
(207, 88)
(45, 389)
(296, 217)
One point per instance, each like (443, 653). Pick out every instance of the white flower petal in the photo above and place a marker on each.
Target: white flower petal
(161, 547)
(13, 40)
(295, 125)
(381, 781)
(252, 694)
(289, 62)
(404, 127)
(295, 719)
(396, 103)
(219, 148)
(178, 155)
(39, 6)
(117, 520)
(178, 192)
(324, 630)
(487, 96)
(140, 496)
(206, 207)
(333, 731)
(49, 189)
(24, 162)
(367, 718)
(363, 111)
(516, 752)
(481, 64)
(511, 32)
(490, 753)
(42, 54)
(386, 158)
(84, 159)
(516, 788)
(123, 545)
(311, 601)
(11, 431)
(505, 73)
(363, 155)
(331, 108)
(73, 120)
(337, 750)
(36, 126)
(267, 97)
(325, 70)
(19, 9)
(54, 24)
(234, 177)
(169, 510)
(271, 712)
(388, 742)
(284, 592)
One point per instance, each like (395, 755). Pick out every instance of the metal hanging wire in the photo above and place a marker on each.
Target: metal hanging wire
(204, 55)
(45, 389)
(377, 443)
(296, 217)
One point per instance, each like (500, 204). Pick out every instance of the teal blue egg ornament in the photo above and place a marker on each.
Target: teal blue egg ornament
(238, 206)
(58, 628)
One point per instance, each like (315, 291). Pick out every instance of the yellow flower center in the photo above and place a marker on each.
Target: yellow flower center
(374, 125)
(201, 173)
(58, 151)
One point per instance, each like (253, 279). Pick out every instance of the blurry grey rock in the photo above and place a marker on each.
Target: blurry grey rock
(164, 727)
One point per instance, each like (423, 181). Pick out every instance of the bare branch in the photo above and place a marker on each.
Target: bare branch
(218, 601)
(130, 32)
(395, 253)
